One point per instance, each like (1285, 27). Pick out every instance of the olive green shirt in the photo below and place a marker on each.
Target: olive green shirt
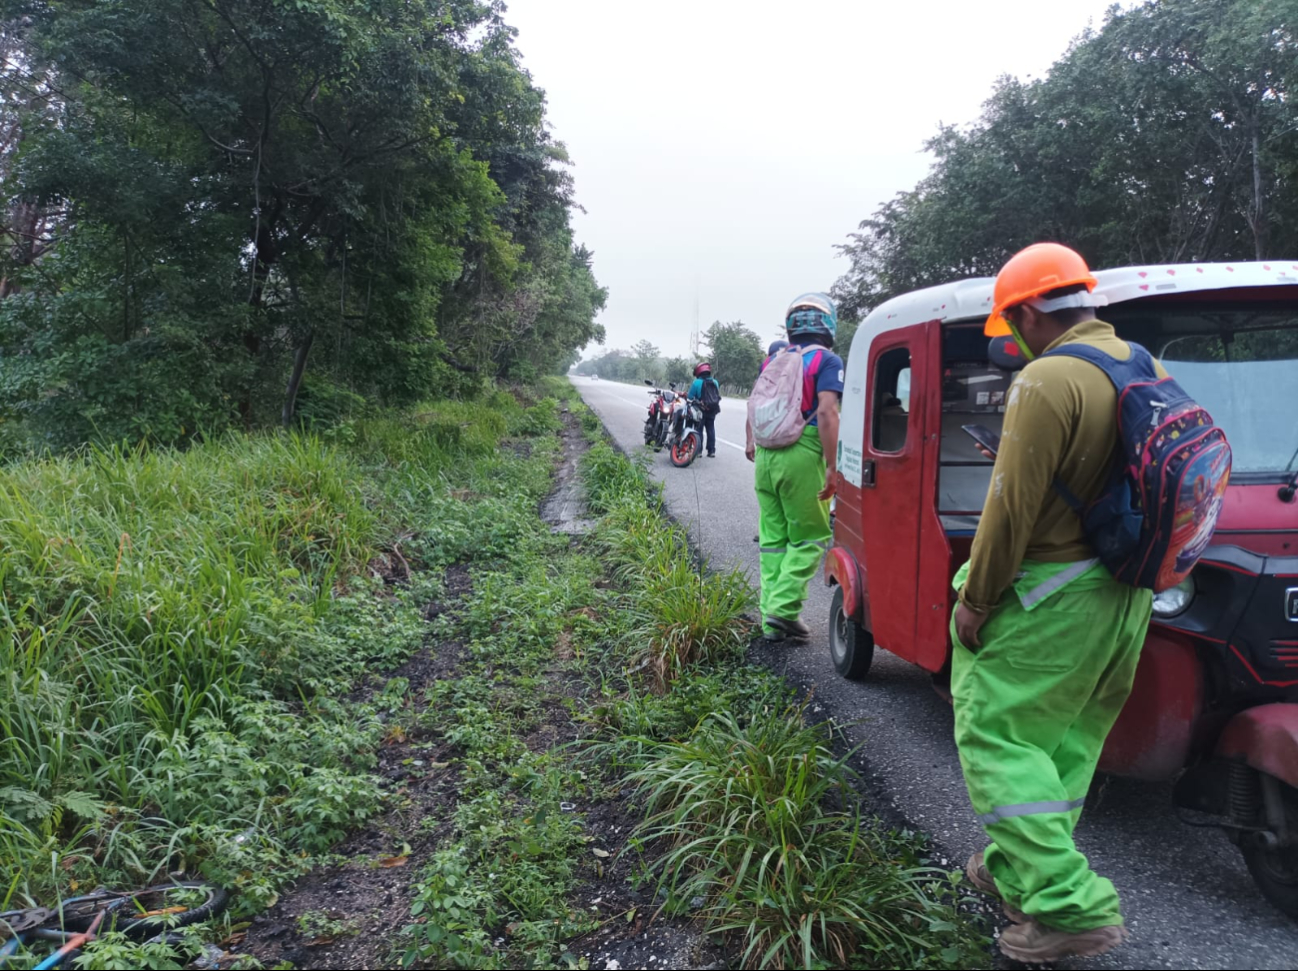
(1060, 421)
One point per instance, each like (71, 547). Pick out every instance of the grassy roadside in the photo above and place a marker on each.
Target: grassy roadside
(180, 634)
(744, 821)
(547, 750)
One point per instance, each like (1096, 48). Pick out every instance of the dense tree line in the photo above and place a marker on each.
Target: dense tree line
(734, 351)
(1168, 135)
(239, 211)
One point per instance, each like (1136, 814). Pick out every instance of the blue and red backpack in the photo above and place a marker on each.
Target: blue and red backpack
(1157, 513)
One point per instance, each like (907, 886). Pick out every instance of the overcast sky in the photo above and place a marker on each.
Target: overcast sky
(723, 148)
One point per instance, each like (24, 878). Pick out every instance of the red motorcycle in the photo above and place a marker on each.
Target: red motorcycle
(658, 424)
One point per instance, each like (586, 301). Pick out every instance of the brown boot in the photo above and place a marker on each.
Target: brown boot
(981, 878)
(1035, 943)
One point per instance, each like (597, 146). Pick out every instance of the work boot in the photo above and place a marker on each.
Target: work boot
(981, 878)
(1035, 943)
(793, 628)
(771, 635)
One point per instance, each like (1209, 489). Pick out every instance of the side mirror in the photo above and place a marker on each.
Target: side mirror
(648, 382)
(1005, 353)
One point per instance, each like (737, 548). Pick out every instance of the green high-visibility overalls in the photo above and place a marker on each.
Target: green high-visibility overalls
(794, 527)
(1033, 707)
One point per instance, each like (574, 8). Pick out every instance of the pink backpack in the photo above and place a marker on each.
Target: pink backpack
(775, 406)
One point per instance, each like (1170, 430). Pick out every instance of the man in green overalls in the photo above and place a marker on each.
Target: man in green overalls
(795, 484)
(1046, 641)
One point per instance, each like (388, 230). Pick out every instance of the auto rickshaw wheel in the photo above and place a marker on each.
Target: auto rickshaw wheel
(850, 645)
(1275, 866)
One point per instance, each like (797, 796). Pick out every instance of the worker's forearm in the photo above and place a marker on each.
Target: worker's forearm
(828, 424)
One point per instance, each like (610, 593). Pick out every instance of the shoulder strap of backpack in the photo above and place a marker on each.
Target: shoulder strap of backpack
(1138, 367)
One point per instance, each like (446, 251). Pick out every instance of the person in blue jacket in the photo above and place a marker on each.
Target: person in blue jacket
(707, 392)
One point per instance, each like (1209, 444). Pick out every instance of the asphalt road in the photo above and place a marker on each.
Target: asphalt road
(1188, 897)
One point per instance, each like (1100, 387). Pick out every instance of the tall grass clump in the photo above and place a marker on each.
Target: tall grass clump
(759, 822)
(176, 630)
(753, 823)
(682, 614)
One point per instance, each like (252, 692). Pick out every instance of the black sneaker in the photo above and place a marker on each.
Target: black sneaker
(712, 455)
(792, 628)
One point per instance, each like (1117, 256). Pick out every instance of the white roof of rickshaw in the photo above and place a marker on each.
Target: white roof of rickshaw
(972, 299)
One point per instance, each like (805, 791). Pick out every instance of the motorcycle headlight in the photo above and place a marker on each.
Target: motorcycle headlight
(1176, 601)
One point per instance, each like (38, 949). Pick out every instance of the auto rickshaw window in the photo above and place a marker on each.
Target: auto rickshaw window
(1236, 356)
(892, 401)
(973, 393)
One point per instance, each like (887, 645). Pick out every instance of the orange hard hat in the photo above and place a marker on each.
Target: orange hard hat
(1035, 271)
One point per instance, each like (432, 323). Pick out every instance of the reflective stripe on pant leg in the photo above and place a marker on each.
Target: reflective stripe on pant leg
(798, 476)
(1002, 813)
(1018, 702)
(773, 534)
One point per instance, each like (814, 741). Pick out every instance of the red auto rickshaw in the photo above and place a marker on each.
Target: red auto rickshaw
(1215, 707)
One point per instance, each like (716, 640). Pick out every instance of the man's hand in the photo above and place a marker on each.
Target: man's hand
(987, 453)
(831, 486)
(751, 451)
(968, 626)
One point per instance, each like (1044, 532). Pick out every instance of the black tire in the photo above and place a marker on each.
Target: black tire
(1275, 868)
(78, 916)
(851, 646)
(649, 431)
(683, 456)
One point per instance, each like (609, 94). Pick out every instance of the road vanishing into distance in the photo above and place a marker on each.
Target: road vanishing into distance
(1189, 900)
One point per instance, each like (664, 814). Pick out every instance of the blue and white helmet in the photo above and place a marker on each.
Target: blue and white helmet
(812, 313)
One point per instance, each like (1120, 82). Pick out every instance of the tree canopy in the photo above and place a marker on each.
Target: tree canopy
(210, 199)
(1168, 135)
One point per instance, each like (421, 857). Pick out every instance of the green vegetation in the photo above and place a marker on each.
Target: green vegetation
(734, 351)
(748, 809)
(185, 634)
(241, 212)
(179, 633)
(1168, 135)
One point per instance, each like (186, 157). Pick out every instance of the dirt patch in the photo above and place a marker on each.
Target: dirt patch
(633, 933)
(565, 508)
(349, 915)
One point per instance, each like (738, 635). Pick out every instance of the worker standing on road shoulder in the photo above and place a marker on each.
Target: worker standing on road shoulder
(795, 483)
(707, 393)
(1046, 640)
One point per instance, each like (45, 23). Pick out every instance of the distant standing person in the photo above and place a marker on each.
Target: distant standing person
(707, 392)
(795, 482)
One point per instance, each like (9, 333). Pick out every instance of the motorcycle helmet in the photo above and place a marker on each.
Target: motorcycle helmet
(776, 347)
(812, 313)
(703, 370)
